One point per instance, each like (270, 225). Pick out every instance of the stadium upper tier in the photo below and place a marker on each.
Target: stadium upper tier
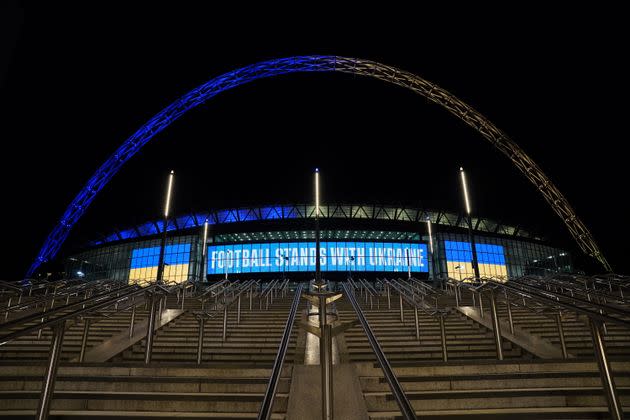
(307, 211)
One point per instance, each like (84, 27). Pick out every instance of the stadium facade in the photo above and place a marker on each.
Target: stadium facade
(275, 240)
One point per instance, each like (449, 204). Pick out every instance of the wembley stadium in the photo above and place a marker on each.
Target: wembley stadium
(373, 240)
(317, 310)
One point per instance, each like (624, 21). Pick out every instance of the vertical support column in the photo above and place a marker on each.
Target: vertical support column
(608, 382)
(325, 361)
(132, 320)
(225, 315)
(509, 312)
(6, 314)
(238, 310)
(86, 331)
(150, 327)
(563, 344)
(496, 327)
(48, 386)
(415, 315)
(200, 339)
(443, 337)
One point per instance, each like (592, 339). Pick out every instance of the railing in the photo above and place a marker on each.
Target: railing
(369, 293)
(406, 409)
(58, 324)
(266, 406)
(597, 314)
(201, 316)
(59, 291)
(407, 295)
(267, 294)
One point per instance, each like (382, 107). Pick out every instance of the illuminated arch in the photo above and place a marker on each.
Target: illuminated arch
(229, 80)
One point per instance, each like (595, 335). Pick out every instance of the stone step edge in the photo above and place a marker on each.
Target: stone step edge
(498, 392)
(136, 395)
(475, 412)
(126, 414)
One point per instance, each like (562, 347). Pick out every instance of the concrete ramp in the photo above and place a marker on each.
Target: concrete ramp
(535, 345)
(119, 343)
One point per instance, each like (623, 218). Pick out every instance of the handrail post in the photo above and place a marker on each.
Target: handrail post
(496, 327)
(563, 344)
(389, 301)
(48, 385)
(443, 337)
(238, 310)
(6, 314)
(509, 312)
(481, 304)
(86, 331)
(415, 315)
(402, 313)
(150, 328)
(200, 339)
(132, 320)
(608, 382)
(225, 316)
(251, 290)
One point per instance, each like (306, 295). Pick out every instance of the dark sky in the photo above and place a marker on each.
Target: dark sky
(75, 83)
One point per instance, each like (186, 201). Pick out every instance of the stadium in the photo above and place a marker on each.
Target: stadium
(317, 310)
(364, 239)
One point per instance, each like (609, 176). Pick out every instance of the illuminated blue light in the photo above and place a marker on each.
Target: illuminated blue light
(486, 253)
(149, 257)
(300, 257)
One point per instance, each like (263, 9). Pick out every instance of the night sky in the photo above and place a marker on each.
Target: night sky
(75, 83)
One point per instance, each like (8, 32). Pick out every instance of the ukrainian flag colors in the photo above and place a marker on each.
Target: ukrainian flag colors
(144, 263)
(491, 259)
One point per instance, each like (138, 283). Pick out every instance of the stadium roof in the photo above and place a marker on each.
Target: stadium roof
(307, 211)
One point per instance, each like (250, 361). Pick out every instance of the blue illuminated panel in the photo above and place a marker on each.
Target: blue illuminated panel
(300, 256)
(491, 260)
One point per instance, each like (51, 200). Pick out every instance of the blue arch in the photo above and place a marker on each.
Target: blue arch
(315, 63)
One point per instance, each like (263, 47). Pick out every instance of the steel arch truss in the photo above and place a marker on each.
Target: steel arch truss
(270, 68)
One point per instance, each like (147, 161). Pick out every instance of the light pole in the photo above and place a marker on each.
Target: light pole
(226, 263)
(318, 274)
(473, 248)
(160, 272)
(204, 248)
(431, 244)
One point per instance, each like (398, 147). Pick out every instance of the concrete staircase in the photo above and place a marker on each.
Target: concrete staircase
(231, 380)
(509, 389)
(133, 390)
(576, 331)
(465, 339)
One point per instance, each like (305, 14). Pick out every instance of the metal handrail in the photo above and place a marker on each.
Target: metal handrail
(65, 292)
(555, 300)
(267, 403)
(98, 301)
(48, 313)
(203, 315)
(406, 409)
(434, 311)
